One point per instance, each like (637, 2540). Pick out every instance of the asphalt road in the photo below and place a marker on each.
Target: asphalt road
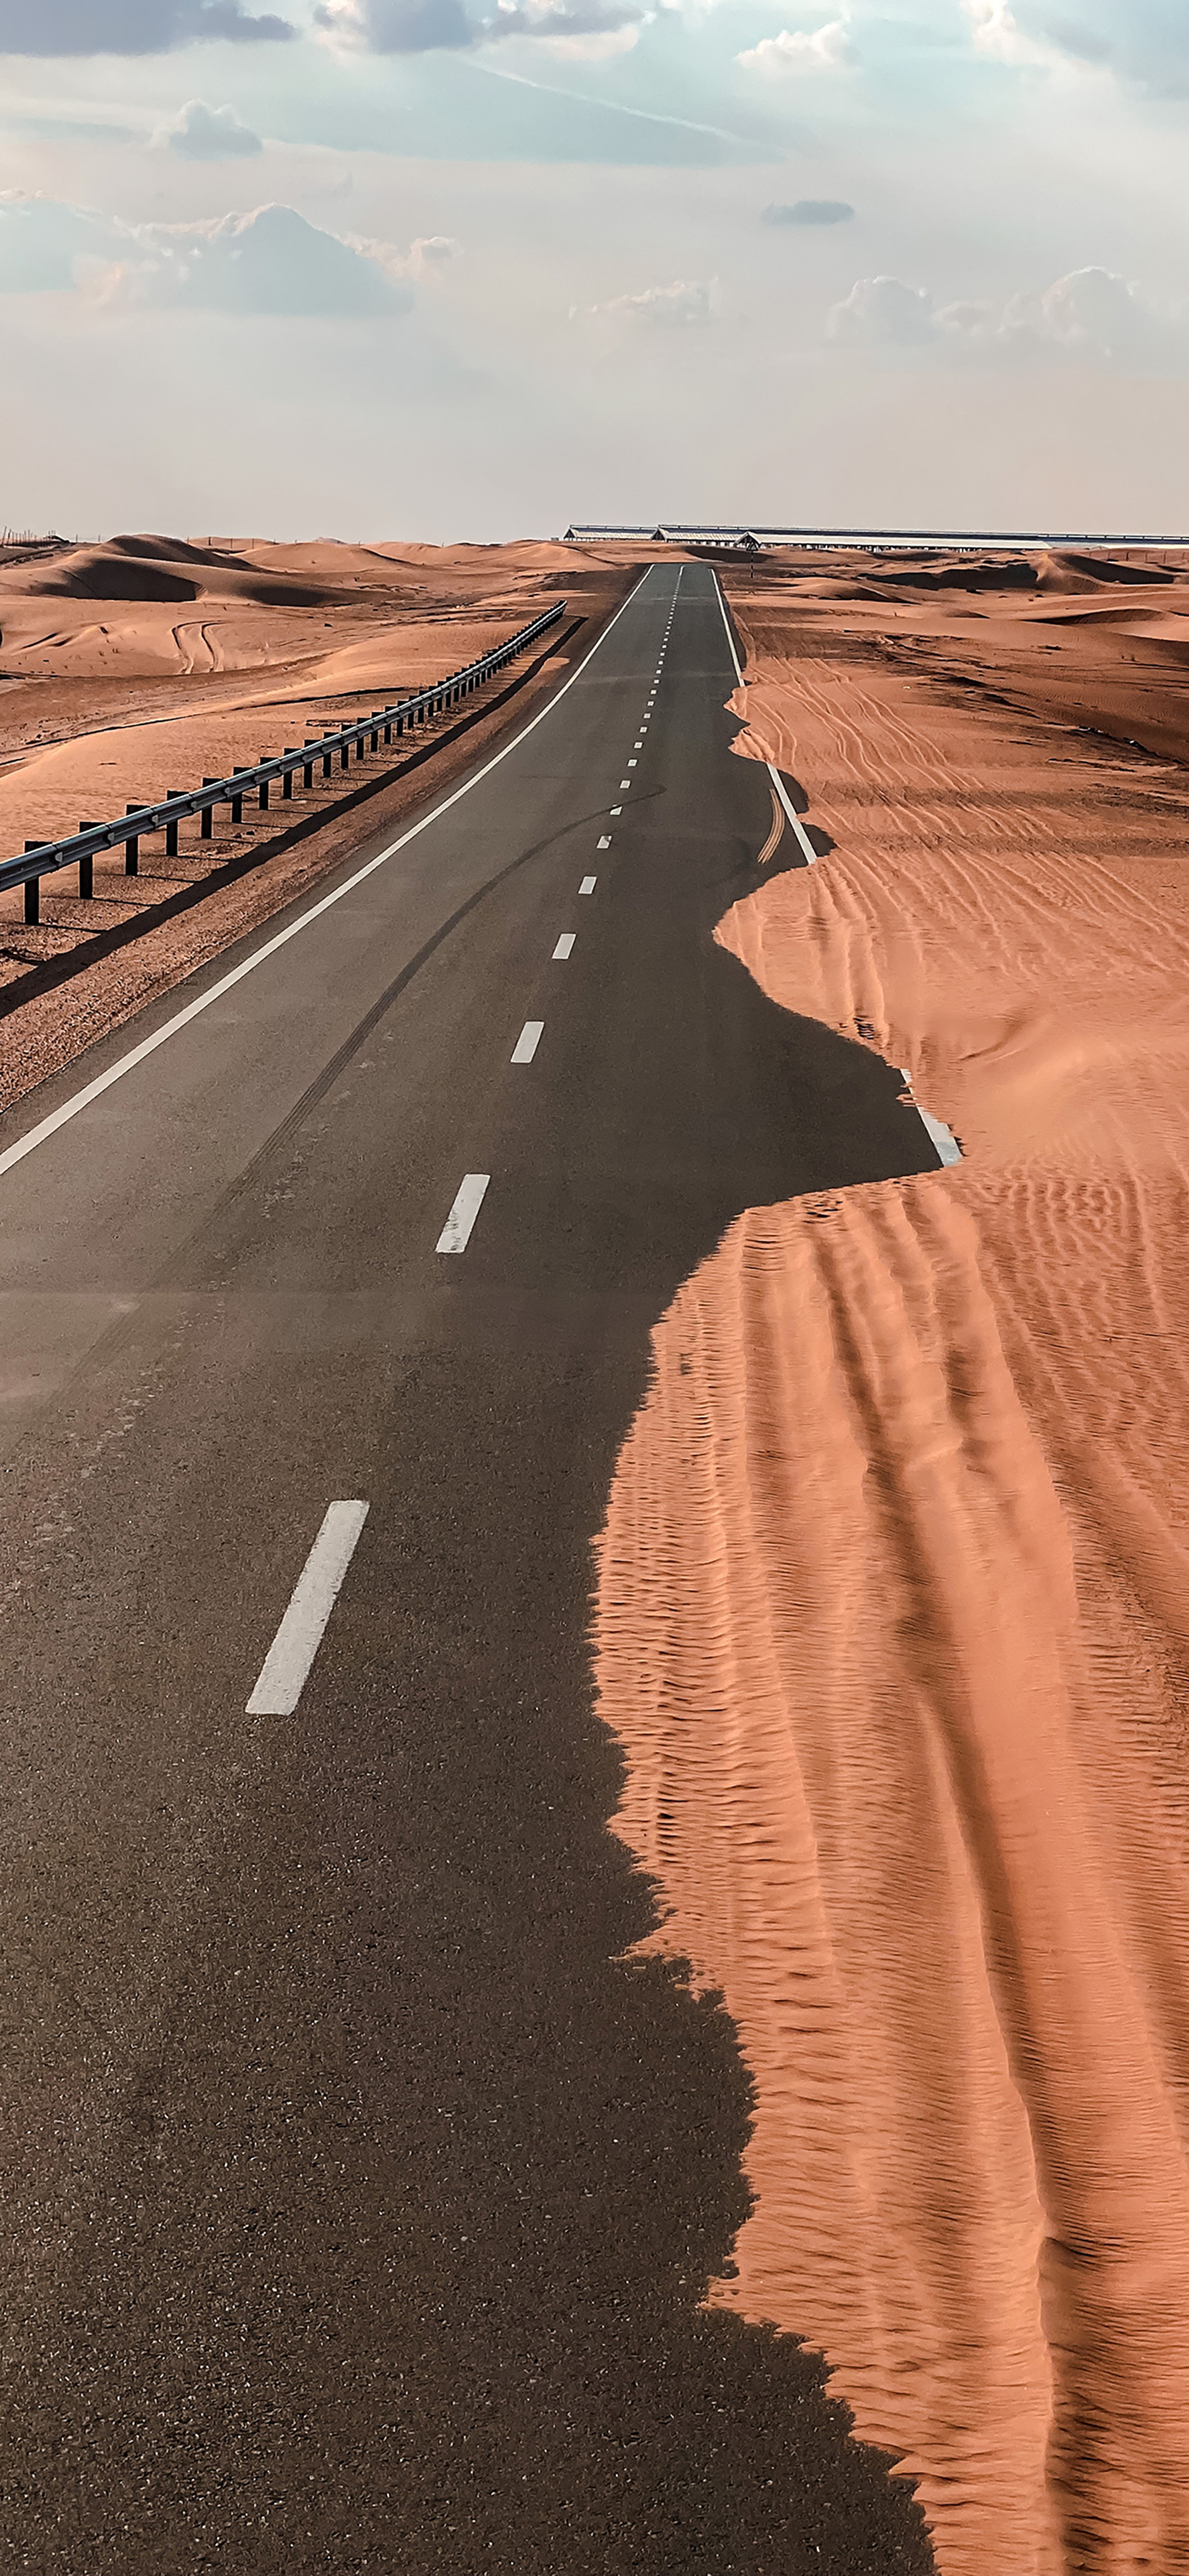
(358, 2200)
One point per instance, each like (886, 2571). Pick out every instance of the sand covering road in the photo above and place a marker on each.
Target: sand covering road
(893, 1609)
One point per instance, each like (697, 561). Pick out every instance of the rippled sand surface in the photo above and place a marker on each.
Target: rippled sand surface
(893, 1625)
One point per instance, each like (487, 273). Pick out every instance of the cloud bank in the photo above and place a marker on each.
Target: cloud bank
(46, 27)
(589, 28)
(1091, 314)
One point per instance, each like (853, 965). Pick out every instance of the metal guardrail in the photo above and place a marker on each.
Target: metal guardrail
(46, 858)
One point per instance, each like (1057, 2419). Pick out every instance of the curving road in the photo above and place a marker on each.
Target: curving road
(358, 2204)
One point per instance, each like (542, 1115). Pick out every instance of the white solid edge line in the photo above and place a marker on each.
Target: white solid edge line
(283, 1673)
(946, 1143)
(81, 1100)
(941, 1136)
(808, 853)
(588, 885)
(469, 1197)
(565, 945)
(527, 1042)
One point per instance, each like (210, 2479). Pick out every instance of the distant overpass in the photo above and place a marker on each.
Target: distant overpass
(962, 540)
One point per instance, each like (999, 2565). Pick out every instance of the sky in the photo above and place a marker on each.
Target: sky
(466, 269)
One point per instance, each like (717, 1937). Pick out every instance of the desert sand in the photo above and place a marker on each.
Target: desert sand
(893, 1596)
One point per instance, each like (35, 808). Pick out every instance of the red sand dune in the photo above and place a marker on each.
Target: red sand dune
(893, 1625)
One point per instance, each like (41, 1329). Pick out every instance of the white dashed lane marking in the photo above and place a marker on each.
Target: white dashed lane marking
(527, 1042)
(605, 842)
(456, 1232)
(589, 883)
(303, 1627)
(565, 943)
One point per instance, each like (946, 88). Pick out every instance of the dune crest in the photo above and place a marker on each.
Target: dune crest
(893, 1626)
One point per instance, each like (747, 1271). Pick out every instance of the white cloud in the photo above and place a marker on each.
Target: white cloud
(1093, 313)
(268, 261)
(431, 253)
(828, 49)
(428, 256)
(685, 305)
(202, 133)
(1090, 314)
(880, 310)
(997, 34)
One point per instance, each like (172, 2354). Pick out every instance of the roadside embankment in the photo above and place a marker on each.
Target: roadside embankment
(109, 696)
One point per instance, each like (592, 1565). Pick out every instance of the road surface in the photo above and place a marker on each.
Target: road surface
(359, 2200)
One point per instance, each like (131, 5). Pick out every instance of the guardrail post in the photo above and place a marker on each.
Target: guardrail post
(307, 774)
(33, 887)
(264, 785)
(207, 824)
(345, 756)
(132, 847)
(287, 780)
(327, 763)
(360, 739)
(171, 829)
(388, 731)
(375, 738)
(86, 866)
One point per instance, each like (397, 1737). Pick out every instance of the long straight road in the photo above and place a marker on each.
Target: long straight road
(359, 2198)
